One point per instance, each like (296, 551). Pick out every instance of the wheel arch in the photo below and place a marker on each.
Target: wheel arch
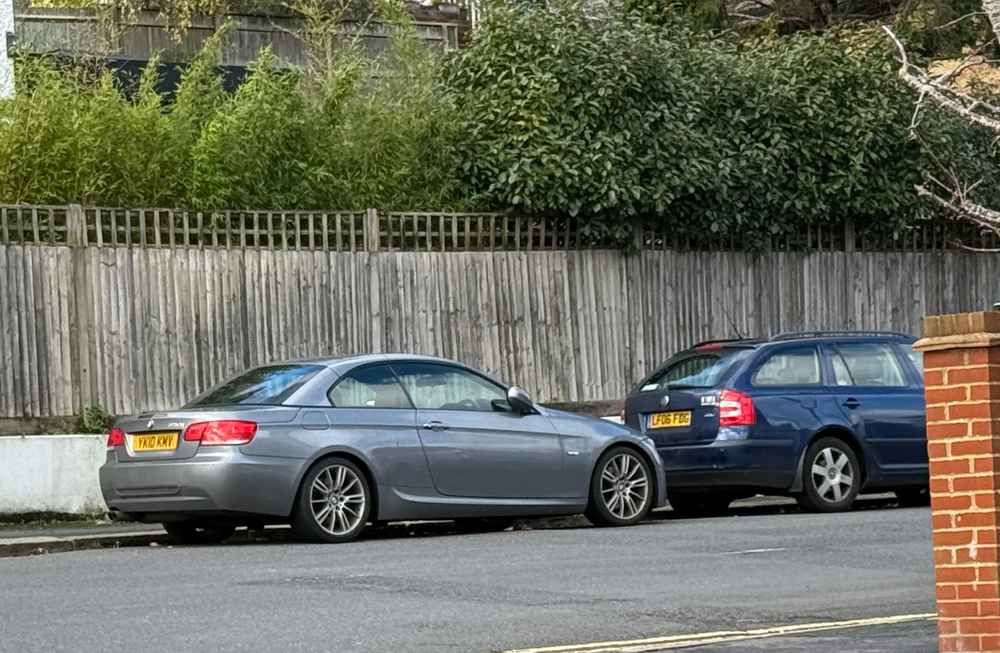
(844, 435)
(346, 454)
(627, 444)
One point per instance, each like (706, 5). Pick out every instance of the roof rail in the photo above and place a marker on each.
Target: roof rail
(719, 341)
(794, 335)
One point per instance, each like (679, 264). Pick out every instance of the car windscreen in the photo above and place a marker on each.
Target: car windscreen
(700, 370)
(267, 386)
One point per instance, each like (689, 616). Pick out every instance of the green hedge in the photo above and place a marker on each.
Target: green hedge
(613, 121)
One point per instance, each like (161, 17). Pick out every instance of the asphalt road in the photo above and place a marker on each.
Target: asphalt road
(424, 589)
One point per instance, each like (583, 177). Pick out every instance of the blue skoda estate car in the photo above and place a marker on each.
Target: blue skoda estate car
(818, 416)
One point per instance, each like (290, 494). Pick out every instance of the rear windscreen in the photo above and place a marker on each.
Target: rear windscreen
(697, 371)
(267, 386)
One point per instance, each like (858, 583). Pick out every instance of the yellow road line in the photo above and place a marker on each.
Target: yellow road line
(722, 636)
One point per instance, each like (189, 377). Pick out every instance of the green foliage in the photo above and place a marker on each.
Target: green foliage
(343, 132)
(627, 119)
(94, 419)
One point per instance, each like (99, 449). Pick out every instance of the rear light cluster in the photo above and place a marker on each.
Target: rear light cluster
(116, 438)
(231, 431)
(736, 409)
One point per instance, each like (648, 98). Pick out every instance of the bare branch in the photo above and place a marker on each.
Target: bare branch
(954, 101)
(959, 206)
(960, 19)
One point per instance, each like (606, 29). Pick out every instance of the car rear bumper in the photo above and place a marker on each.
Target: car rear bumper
(219, 480)
(730, 463)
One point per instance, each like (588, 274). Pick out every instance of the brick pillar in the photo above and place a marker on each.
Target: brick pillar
(962, 378)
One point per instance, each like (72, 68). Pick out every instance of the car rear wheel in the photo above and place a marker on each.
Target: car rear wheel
(198, 533)
(334, 502)
(621, 489)
(831, 476)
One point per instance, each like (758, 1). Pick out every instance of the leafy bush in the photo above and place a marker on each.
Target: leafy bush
(94, 419)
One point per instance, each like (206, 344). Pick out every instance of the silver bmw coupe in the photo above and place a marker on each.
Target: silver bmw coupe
(330, 446)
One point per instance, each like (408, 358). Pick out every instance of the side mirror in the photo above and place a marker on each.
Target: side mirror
(520, 401)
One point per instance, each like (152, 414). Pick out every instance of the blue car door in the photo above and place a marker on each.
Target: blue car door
(884, 405)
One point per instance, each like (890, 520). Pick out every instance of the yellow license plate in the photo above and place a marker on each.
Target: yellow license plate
(155, 441)
(671, 419)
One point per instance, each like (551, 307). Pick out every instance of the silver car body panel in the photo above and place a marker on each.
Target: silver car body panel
(485, 464)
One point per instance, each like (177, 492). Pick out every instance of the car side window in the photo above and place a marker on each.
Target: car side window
(916, 357)
(841, 375)
(369, 387)
(795, 366)
(443, 387)
(871, 364)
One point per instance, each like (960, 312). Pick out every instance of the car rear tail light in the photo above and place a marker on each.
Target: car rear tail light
(229, 431)
(116, 438)
(736, 409)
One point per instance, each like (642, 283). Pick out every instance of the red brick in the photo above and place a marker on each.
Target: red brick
(940, 485)
(983, 482)
(946, 592)
(982, 553)
(944, 556)
(975, 519)
(948, 626)
(951, 644)
(945, 358)
(988, 464)
(977, 591)
(989, 608)
(946, 430)
(969, 375)
(933, 378)
(934, 414)
(945, 502)
(953, 538)
(948, 395)
(985, 499)
(980, 410)
(937, 450)
(987, 574)
(990, 644)
(956, 574)
(984, 391)
(986, 427)
(979, 626)
(960, 609)
(986, 536)
(950, 467)
(944, 521)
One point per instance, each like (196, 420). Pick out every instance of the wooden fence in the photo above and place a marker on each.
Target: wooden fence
(121, 309)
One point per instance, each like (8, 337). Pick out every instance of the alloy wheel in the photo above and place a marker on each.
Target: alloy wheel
(832, 475)
(624, 486)
(337, 499)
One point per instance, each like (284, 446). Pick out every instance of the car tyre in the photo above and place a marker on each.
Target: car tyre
(913, 497)
(334, 502)
(831, 476)
(700, 504)
(622, 488)
(189, 532)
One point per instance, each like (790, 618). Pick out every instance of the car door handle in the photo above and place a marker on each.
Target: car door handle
(851, 403)
(435, 425)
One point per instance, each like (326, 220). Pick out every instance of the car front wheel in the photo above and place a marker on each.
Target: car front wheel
(621, 489)
(831, 476)
(334, 502)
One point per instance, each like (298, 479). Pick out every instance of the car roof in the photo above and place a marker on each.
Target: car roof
(806, 336)
(340, 363)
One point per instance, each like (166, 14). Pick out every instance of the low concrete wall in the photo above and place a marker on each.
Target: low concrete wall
(51, 473)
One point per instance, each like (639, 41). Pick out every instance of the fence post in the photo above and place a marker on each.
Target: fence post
(371, 230)
(76, 226)
(850, 239)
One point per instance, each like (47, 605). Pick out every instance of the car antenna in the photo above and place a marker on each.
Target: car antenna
(732, 323)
